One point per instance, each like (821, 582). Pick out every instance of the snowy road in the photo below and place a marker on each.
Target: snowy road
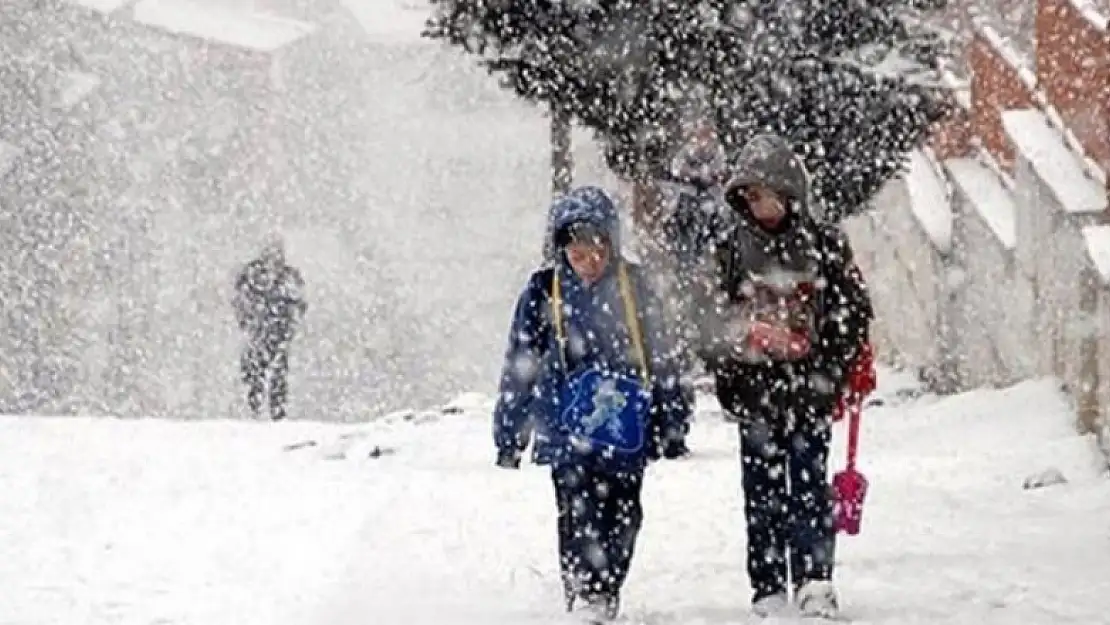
(122, 522)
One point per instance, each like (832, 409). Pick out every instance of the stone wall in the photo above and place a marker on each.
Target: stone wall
(1018, 283)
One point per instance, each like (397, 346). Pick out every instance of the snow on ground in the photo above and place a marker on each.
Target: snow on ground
(405, 521)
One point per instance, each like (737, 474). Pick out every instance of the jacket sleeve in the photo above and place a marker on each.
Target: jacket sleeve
(239, 300)
(846, 320)
(670, 414)
(529, 336)
(711, 298)
(298, 299)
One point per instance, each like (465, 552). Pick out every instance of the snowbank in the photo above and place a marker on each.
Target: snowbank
(391, 20)
(152, 521)
(135, 522)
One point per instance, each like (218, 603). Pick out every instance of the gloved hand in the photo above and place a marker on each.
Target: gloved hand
(675, 449)
(508, 458)
(862, 378)
(777, 341)
(861, 382)
(671, 444)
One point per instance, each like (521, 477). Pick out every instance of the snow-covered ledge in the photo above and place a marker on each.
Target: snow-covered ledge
(253, 31)
(993, 305)
(988, 198)
(102, 6)
(928, 193)
(1053, 187)
(1048, 155)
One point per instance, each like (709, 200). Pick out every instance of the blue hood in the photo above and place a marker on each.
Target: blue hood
(587, 204)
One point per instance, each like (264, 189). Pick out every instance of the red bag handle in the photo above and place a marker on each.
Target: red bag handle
(854, 411)
(861, 385)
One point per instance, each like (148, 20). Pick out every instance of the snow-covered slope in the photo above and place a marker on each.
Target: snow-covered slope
(405, 521)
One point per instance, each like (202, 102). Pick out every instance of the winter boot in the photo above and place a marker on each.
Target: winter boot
(612, 607)
(770, 605)
(254, 400)
(599, 609)
(817, 599)
(569, 594)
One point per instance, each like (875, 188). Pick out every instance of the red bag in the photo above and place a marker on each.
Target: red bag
(849, 485)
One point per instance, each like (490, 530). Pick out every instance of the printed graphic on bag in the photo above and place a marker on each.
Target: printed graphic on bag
(606, 411)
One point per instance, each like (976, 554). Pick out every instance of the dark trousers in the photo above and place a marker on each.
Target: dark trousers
(787, 504)
(266, 361)
(599, 519)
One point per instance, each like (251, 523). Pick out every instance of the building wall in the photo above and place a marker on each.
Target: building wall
(1022, 287)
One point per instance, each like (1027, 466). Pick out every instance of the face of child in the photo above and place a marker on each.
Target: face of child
(765, 204)
(588, 258)
(705, 133)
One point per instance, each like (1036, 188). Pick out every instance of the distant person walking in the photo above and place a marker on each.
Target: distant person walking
(269, 305)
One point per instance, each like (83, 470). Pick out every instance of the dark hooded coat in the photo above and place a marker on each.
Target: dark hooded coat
(800, 274)
(596, 333)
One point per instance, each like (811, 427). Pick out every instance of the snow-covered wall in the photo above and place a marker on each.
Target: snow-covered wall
(902, 249)
(1022, 279)
(990, 327)
(1019, 287)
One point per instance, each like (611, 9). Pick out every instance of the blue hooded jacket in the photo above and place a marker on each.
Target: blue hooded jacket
(596, 334)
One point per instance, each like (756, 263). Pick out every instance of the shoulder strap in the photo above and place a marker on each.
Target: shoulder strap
(557, 316)
(631, 317)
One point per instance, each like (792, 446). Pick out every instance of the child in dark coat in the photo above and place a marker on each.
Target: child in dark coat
(790, 316)
(591, 372)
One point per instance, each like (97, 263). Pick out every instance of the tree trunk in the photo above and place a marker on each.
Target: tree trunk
(561, 160)
(645, 205)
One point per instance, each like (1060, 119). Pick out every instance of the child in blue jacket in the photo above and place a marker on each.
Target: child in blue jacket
(591, 371)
